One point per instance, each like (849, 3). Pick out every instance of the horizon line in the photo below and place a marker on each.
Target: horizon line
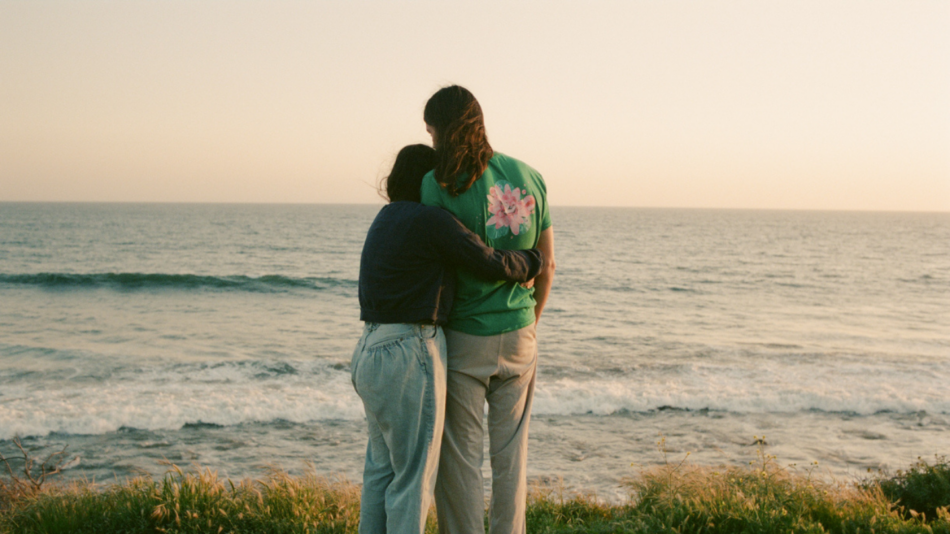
(239, 203)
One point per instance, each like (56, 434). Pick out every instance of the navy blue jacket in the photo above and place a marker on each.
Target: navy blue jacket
(407, 270)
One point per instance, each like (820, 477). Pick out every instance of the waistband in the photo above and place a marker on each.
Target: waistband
(374, 333)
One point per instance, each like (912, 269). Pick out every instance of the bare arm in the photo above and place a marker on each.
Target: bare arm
(542, 284)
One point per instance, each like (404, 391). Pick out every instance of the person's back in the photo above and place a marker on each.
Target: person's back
(399, 364)
(507, 207)
(491, 334)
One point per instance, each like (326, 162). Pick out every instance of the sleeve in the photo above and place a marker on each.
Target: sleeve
(430, 191)
(459, 247)
(545, 211)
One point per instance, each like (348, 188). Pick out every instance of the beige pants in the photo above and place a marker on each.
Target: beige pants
(501, 370)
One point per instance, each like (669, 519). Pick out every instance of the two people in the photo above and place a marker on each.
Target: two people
(450, 326)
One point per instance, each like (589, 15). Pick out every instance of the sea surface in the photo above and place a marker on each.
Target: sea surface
(221, 335)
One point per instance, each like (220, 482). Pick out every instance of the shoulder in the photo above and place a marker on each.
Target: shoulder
(416, 218)
(517, 171)
(434, 214)
(427, 218)
(437, 223)
(430, 191)
(504, 161)
(405, 212)
(388, 211)
(511, 168)
(429, 180)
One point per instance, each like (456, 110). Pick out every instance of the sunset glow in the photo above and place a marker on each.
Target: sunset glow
(785, 105)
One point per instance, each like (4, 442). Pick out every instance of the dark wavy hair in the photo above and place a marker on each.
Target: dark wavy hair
(412, 163)
(461, 145)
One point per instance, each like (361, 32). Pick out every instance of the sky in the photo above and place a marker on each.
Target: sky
(802, 104)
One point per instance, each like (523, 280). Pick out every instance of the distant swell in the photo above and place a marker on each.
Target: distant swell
(134, 281)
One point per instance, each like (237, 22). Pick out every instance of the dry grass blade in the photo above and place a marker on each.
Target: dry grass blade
(30, 478)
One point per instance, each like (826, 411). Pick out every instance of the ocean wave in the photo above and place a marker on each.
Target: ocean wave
(147, 281)
(607, 397)
(170, 397)
(173, 397)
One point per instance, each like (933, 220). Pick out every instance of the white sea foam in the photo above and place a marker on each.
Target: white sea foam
(761, 385)
(169, 397)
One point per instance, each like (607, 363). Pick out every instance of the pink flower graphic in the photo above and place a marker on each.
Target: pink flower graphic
(508, 209)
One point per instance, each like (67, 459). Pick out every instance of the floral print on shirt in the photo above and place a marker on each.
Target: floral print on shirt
(509, 211)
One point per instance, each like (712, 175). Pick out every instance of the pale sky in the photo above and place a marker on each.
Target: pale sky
(716, 104)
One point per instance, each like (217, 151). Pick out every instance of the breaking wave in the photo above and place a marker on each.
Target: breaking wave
(152, 281)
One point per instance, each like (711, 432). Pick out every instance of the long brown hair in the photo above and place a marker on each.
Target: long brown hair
(461, 145)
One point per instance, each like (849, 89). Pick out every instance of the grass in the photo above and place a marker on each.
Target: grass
(673, 498)
(766, 498)
(760, 498)
(191, 502)
(921, 490)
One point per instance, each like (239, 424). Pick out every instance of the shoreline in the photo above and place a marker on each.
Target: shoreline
(586, 453)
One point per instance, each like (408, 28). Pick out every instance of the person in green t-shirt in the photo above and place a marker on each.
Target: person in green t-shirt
(491, 332)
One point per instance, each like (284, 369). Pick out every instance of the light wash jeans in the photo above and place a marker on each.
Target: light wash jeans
(399, 372)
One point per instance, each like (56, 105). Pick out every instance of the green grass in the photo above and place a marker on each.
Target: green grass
(191, 502)
(920, 490)
(765, 498)
(674, 498)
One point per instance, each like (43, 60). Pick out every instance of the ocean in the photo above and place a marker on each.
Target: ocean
(221, 335)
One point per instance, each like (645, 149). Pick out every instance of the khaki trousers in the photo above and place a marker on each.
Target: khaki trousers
(501, 370)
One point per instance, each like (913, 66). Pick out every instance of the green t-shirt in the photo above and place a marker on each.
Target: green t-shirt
(507, 207)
